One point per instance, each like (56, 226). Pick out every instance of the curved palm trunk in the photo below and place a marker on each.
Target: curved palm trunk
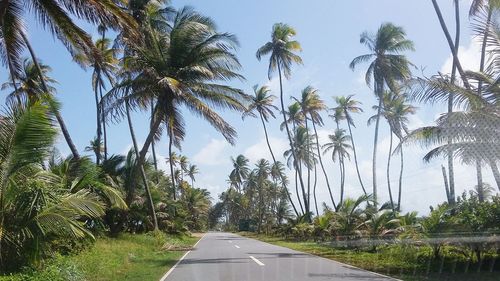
(388, 171)
(290, 138)
(140, 167)
(496, 173)
(308, 168)
(274, 161)
(446, 187)
(356, 158)
(400, 189)
(99, 129)
(322, 166)
(52, 107)
(483, 48)
(171, 164)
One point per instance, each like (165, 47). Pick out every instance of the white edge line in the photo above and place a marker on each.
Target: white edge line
(257, 261)
(237, 247)
(179, 261)
(345, 264)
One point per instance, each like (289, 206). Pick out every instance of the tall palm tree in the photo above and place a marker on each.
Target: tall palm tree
(262, 103)
(348, 105)
(101, 70)
(312, 105)
(387, 67)
(56, 16)
(339, 145)
(282, 51)
(278, 173)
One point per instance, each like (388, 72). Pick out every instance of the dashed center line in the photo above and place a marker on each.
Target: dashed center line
(257, 261)
(237, 247)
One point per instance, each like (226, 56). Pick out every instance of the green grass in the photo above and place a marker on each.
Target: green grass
(126, 258)
(393, 261)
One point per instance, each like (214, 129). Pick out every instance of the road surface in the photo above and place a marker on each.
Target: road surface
(229, 257)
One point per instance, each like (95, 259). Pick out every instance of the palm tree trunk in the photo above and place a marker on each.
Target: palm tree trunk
(400, 189)
(496, 173)
(99, 129)
(290, 138)
(307, 167)
(171, 164)
(105, 134)
(483, 48)
(314, 189)
(453, 49)
(53, 108)
(480, 185)
(342, 179)
(356, 158)
(375, 144)
(322, 166)
(388, 172)
(274, 161)
(446, 187)
(140, 167)
(297, 192)
(153, 143)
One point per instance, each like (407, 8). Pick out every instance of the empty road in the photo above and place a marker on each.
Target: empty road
(229, 257)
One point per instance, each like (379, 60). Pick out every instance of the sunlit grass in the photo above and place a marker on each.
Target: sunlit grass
(126, 258)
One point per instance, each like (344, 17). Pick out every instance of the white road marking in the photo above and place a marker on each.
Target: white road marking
(179, 261)
(257, 261)
(230, 241)
(237, 247)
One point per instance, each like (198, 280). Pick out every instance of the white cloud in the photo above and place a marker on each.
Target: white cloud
(260, 149)
(211, 154)
(469, 57)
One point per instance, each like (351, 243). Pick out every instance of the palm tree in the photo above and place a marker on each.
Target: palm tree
(348, 105)
(387, 67)
(340, 148)
(312, 105)
(27, 137)
(96, 147)
(181, 68)
(56, 16)
(183, 165)
(282, 49)
(262, 172)
(278, 173)
(192, 171)
(102, 69)
(240, 170)
(349, 213)
(263, 104)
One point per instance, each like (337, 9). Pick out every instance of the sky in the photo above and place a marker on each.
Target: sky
(329, 34)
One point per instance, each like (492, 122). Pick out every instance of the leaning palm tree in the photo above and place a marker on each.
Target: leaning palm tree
(182, 68)
(282, 50)
(387, 67)
(102, 70)
(340, 150)
(348, 105)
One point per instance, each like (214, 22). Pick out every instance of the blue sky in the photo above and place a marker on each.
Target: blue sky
(329, 33)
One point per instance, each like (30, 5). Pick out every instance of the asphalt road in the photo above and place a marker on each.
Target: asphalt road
(229, 257)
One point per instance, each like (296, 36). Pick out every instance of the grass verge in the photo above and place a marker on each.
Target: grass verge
(126, 258)
(394, 261)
